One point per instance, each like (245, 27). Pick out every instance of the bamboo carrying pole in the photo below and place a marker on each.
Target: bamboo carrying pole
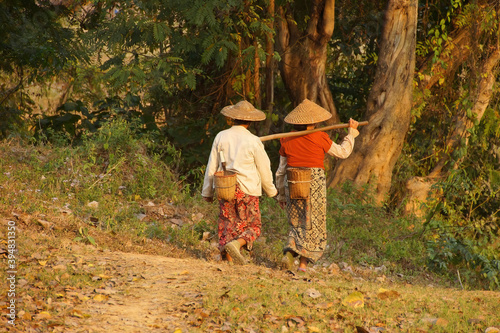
(300, 133)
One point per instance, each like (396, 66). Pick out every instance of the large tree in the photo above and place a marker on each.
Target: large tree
(389, 104)
(303, 32)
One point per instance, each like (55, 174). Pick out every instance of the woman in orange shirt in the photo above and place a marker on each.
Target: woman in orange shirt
(307, 217)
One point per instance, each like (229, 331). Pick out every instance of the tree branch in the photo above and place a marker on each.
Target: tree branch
(481, 102)
(328, 18)
(11, 91)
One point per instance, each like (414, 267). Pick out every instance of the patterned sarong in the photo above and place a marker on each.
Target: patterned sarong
(307, 219)
(239, 218)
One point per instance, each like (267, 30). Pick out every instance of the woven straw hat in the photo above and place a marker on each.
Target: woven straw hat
(243, 111)
(307, 113)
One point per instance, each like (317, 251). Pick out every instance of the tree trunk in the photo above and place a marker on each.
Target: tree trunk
(256, 76)
(304, 54)
(388, 107)
(269, 80)
(419, 189)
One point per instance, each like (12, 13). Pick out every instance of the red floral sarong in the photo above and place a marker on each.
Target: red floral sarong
(239, 218)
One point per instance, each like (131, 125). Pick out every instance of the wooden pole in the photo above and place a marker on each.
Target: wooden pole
(300, 133)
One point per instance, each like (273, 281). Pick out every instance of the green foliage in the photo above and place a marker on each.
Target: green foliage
(74, 118)
(33, 40)
(466, 221)
(449, 255)
(84, 236)
(161, 49)
(352, 55)
(12, 111)
(194, 139)
(35, 45)
(154, 230)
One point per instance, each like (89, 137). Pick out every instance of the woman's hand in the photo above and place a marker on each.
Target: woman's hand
(353, 123)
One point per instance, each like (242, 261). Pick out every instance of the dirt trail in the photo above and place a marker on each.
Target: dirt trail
(138, 289)
(149, 292)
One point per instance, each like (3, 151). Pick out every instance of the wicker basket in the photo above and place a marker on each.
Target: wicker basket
(299, 182)
(225, 185)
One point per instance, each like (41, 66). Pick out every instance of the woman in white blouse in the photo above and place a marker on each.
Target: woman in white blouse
(244, 154)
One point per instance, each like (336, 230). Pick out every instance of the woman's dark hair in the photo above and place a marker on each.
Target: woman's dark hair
(299, 127)
(241, 122)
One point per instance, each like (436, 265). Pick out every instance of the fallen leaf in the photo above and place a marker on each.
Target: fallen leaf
(42, 262)
(26, 316)
(100, 298)
(354, 300)
(43, 315)
(313, 293)
(324, 305)
(104, 276)
(492, 330)
(387, 294)
(203, 313)
(76, 313)
(93, 204)
(45, 224)
(295, 321)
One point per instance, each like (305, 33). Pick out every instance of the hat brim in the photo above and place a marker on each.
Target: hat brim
(307, 113)
(243, 111)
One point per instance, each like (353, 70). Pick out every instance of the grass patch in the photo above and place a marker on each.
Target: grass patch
(265, 301)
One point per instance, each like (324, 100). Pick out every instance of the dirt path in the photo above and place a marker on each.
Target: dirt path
(67, 286)
(149, 292)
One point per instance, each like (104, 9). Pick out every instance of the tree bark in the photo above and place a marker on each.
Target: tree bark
(256, 76)
(270, 65)
(388, 106)
(304, 54)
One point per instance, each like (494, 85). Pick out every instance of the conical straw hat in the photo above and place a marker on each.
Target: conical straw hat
(306, 113)
(243, 111)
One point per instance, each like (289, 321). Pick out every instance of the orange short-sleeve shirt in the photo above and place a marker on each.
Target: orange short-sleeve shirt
(306, 151)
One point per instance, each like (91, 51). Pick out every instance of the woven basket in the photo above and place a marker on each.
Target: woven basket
(225, 185)
(299, 182)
